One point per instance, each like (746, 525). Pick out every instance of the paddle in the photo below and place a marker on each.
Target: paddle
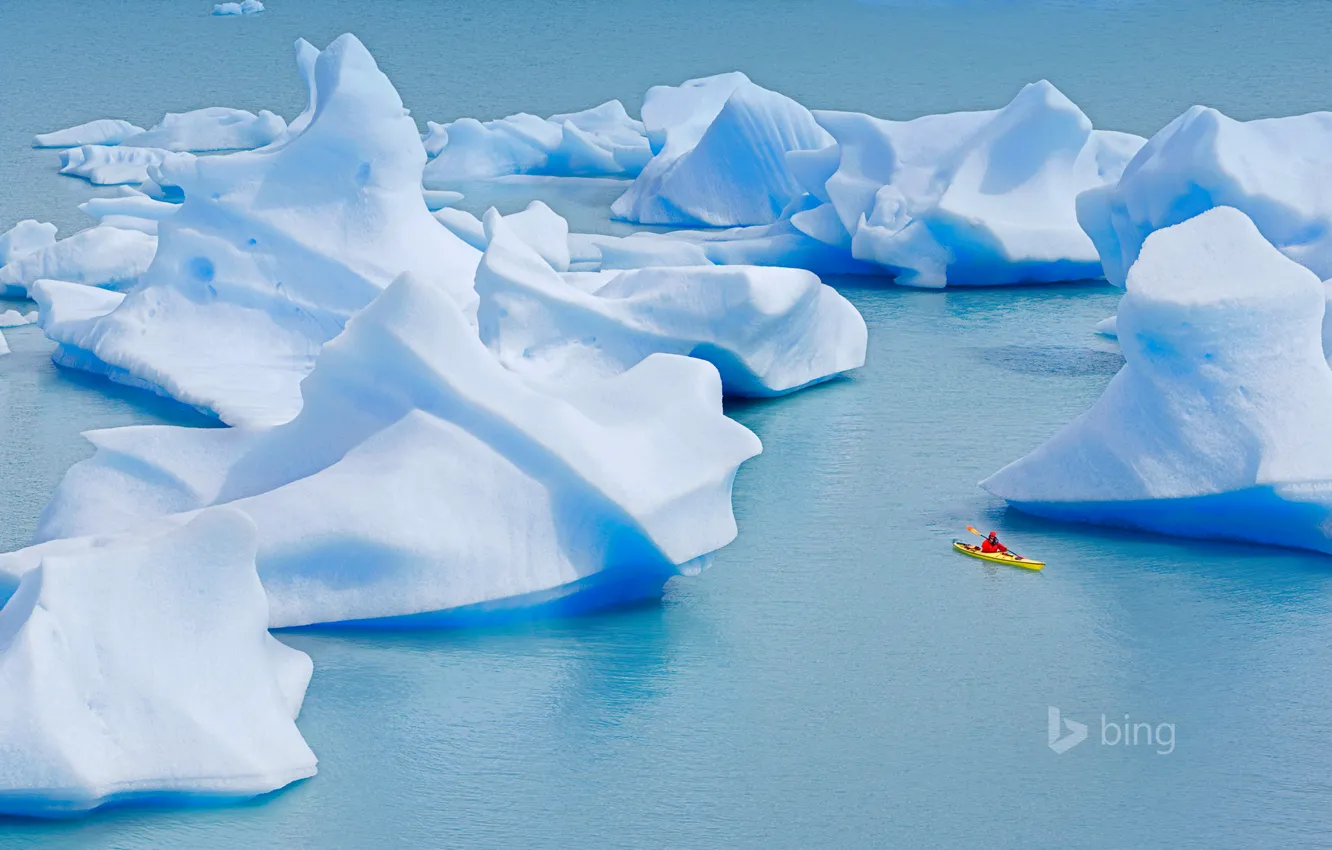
(1010, 551)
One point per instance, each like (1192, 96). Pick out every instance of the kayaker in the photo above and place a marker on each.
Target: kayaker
(991, 544)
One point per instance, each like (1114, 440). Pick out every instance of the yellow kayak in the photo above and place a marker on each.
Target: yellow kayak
(998, 557)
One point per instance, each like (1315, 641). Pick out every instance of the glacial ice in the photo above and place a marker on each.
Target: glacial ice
(245, 7)
(215, 128)
(601, 141)
(422, 480)
(964, 199)
(24, 238)
(722, 168)
(104, 256)
(1275, 170)
(4, 345)
(769, 331)
(15, 319)
(103, 131)
(272, 250)
(110, 166)
(143, 671)
(1216, 425)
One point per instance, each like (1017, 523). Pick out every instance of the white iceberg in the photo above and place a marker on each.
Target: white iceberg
(272, 250)
(245, 7)
(1275, 170)
(964, 199)
(110, 166)
(144, 671)
(4, 345)
(728, 171)
(24, 238)
(103, 256)
(601, 141)
(15, 319)
(769, 331)
(424, 483)
(103, 131)
(1216, 426)
(215, 128)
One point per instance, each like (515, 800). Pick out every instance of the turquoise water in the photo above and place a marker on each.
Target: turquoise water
(840, 678)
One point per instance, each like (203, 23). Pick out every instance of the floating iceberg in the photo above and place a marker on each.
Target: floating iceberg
(245, 7)
(24, 238)
(15, 319)
(719, 168)
(964, 199)
(1216, 427)
(423, 481)
(272, 250)
(769, 331)
(216, 128)
(111, 166)
(601, 141)
(144, 671)
(1275, 170)
(104, 256)
(4, 345)
(104, 131)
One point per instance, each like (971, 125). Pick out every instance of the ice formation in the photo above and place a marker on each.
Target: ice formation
(110, 166)
(1275, 170)
(1217, 424)
(15, 319)
(423, 480)
(768, 331)
(272, 250)
(719, 167)
(4, 345)
(599, 141)
(103, 131)
(144, 671)
(104, 256)
(968, 198)
(24, 238)
(216, 128)
(245, 7)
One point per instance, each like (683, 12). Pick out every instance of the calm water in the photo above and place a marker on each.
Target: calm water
(840, 678)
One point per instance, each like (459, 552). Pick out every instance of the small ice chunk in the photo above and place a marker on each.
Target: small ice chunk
(24, 238)
(103, 131)
(245, 7)
(109, 166)
(99, 256)
(216, 128)
(15, 319)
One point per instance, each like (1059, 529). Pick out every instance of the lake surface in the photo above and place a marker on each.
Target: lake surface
(840, 677)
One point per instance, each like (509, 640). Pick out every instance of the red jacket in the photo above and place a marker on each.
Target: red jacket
(993, 546)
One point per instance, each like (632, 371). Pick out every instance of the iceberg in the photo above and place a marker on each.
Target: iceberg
(769, 331)
(728, 171)
(103, 256)
(111, 166)
(597, 142)
(24, 238)
(1216, 425)
(216, 128)
(272, 250)
(144, 672)
(422, 483)
(245, 7)
(103, 131)
(1275, 170)
(15, 319)
(963, 199)
(4, 345)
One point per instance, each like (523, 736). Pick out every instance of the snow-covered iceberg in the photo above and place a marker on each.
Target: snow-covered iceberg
(15, 319)
(103, 131)
(1216, 426)
(423, 482)
(102, 165)
(722, 159)
(273, 249)
(143, 671)
(24, 238)
(601, 141)
(769, 331)
(245, 7)
(1276, 170)
(967, 198)
(215, 128)
(104, 256)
